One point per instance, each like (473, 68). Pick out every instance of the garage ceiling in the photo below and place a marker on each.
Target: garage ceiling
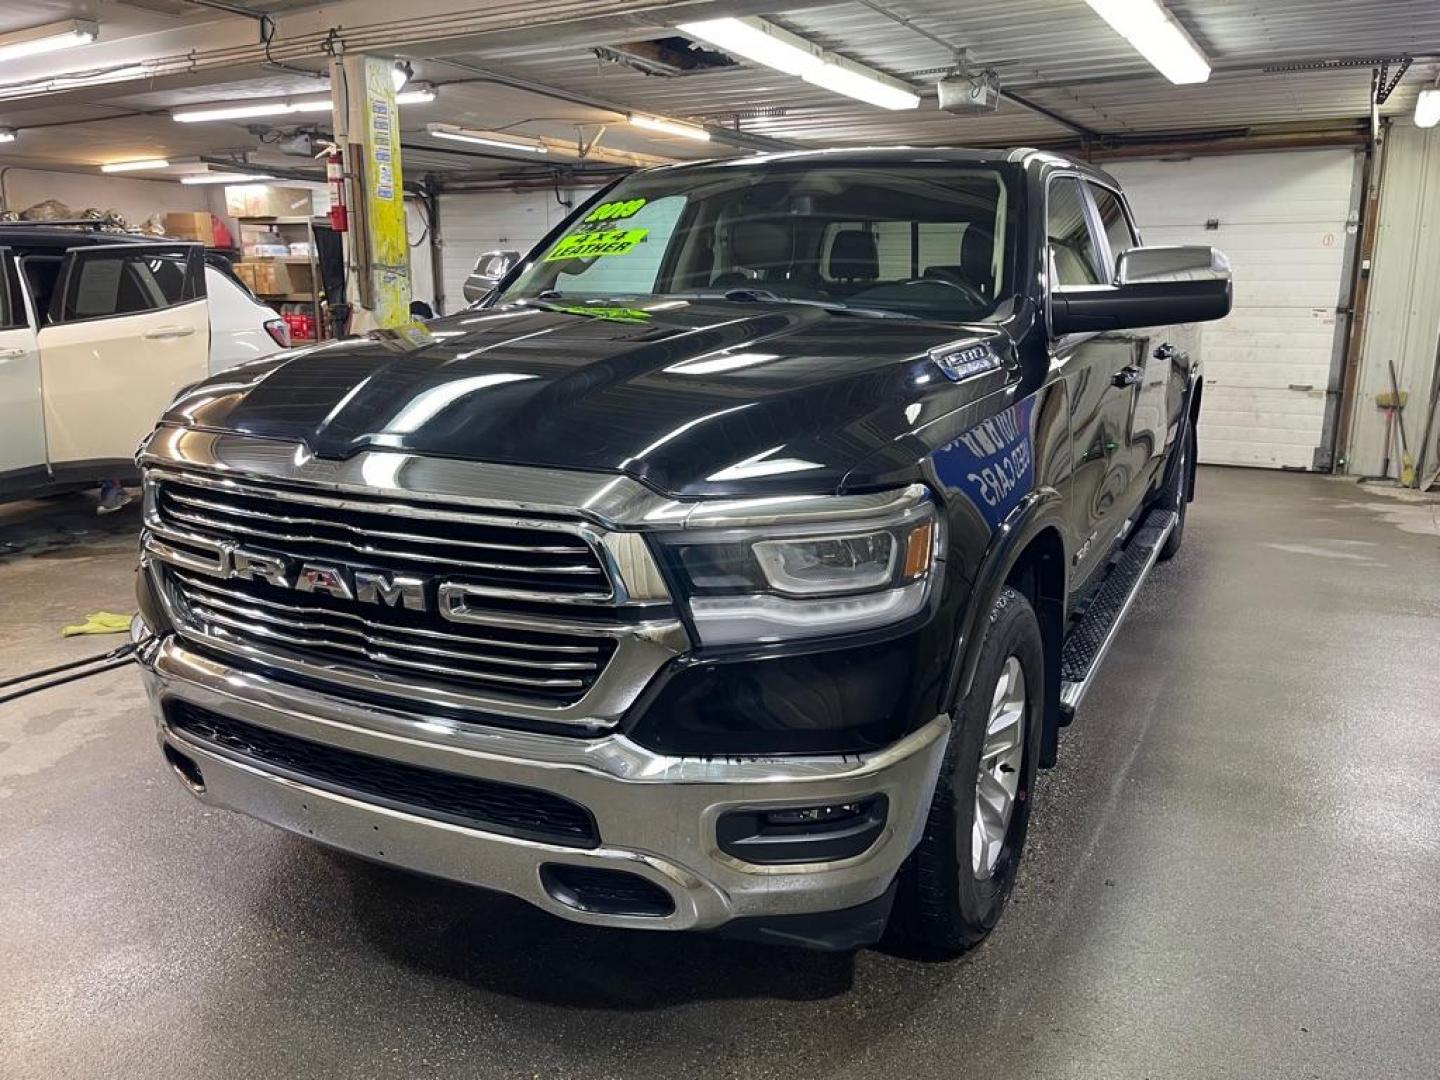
(1069, 73)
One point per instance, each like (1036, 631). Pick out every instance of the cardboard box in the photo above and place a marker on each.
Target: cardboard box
(246, 272)
(196, 226)
(267, 200)
(280, 279)
(293, 278)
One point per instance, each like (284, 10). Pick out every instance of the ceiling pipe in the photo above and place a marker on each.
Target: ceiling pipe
(742, 139)
(1159, 146)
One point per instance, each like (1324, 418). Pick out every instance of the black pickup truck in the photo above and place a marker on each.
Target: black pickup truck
(732, 565)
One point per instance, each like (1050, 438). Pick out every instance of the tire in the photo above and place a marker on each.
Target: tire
(950, 896)
(1177, 498)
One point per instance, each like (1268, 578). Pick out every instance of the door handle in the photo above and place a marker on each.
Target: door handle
(1128, 375)
(161, 332)
(11, 354)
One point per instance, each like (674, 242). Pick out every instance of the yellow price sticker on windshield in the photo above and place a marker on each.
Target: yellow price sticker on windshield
(590, 245)
(614, 211)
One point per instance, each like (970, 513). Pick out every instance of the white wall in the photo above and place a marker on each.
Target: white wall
(135, 200)
(422, 280)
(1402, 310)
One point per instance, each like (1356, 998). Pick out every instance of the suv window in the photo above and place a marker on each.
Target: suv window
(107, 283)
(1073, 254)
(42, 273)
(1112, 217)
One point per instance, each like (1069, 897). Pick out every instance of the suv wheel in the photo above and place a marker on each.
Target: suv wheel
(956, 882)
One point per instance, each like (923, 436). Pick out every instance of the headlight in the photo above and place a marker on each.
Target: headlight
(779, 581)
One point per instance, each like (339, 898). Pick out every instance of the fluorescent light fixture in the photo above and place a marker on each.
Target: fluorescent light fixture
(487, 138)
(419, 94)
(671, 127)
(225, 178)
(765, 43)
(135, 166)
(847, 79)
(48, 38)
(1427, 107)
(7, 134)
(1157, 36)
(246, 110)
(758, 41)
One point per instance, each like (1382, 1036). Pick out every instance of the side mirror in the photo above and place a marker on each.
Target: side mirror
(1154, 286)
(490, 268)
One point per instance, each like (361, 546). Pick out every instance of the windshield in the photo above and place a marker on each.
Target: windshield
(932, 241)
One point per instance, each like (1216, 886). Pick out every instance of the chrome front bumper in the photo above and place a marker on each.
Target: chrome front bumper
(656, 815)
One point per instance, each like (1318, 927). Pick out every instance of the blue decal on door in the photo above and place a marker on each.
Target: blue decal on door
(993, 463)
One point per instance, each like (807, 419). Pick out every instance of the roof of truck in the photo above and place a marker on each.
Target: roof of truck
(902, 155)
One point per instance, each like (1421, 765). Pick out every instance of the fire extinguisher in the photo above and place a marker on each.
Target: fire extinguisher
(335, 177)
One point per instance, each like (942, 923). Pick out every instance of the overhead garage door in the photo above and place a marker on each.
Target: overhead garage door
(1286, 222)
(473, 222)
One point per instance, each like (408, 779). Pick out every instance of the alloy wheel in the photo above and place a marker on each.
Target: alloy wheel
(998, 781)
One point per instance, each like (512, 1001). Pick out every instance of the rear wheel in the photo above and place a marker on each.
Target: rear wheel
(959, 877)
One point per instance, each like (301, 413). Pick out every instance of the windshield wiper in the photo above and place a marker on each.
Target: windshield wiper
(765, 296)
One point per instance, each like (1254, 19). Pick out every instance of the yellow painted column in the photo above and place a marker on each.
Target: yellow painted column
(376, 250)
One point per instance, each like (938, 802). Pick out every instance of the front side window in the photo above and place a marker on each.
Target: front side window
(927, 241)
(1112, 217)
(1073, 256)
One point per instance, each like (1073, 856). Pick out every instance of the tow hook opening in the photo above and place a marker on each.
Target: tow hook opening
(605, 892)
(186, 768)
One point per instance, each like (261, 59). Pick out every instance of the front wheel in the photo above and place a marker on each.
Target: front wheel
(960, 875)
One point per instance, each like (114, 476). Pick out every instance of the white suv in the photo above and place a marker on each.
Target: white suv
(98, 332)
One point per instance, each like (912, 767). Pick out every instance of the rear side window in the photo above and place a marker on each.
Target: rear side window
(102, 284)
(1116, 224)
(1073, 255)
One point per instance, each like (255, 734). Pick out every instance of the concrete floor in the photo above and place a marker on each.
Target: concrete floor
(1234, 872)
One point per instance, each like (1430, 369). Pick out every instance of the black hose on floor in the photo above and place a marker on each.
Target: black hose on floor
(115, 658)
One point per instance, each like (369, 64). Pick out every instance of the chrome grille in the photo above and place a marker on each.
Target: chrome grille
(522, 571)
(537, 560)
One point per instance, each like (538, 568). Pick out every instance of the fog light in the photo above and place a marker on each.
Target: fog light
(803, 834)
(813, 815)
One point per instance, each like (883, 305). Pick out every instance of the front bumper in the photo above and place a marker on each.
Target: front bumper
(656, 815)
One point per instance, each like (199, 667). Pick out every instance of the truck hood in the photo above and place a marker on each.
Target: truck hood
(690, 397)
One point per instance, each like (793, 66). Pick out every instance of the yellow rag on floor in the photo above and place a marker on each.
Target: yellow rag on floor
(99, 622)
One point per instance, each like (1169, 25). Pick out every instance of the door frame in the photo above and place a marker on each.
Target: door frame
(1092, 548)
(38, 475)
